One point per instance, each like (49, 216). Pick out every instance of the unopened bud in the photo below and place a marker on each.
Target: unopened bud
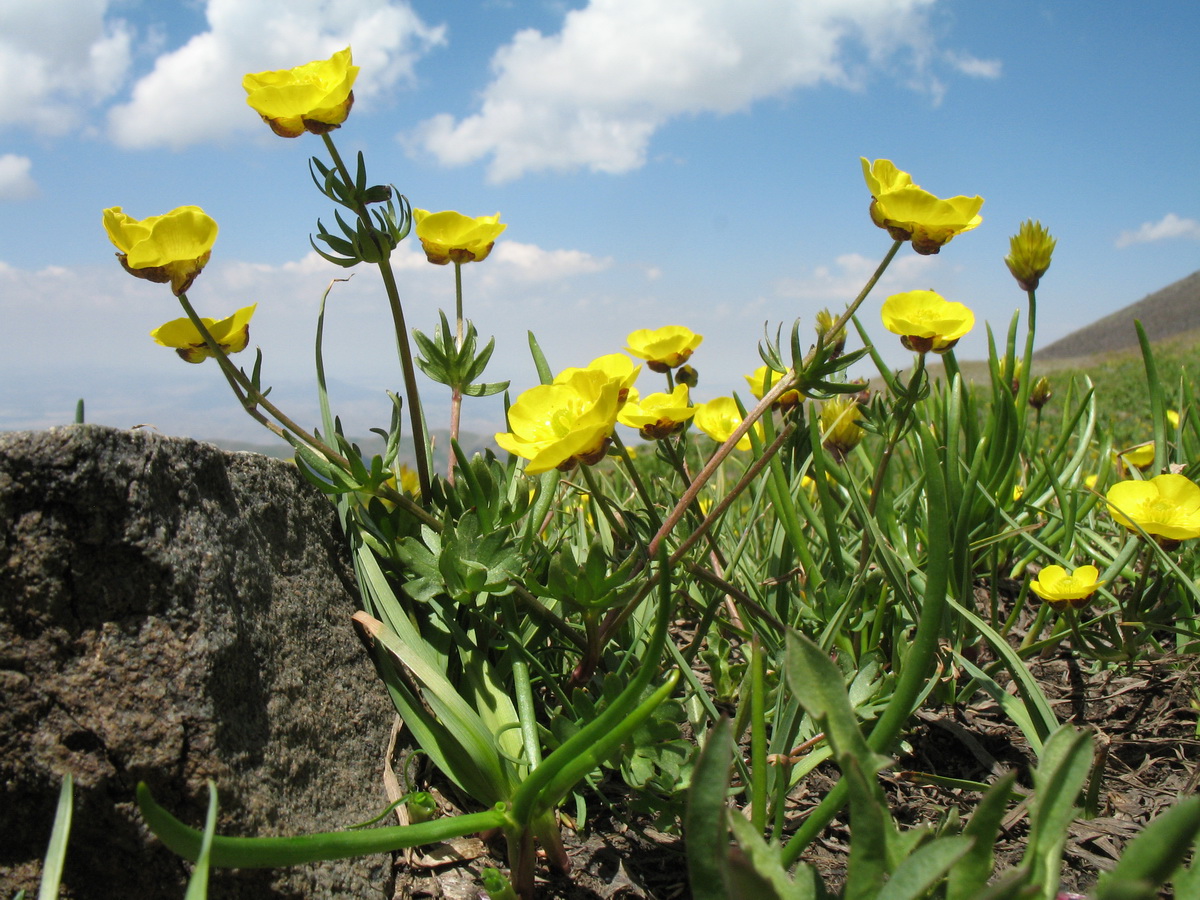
(1040, 395)
(1029, 254)
(836, 341)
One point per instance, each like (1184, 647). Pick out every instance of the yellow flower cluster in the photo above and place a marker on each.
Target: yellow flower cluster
(910, 213)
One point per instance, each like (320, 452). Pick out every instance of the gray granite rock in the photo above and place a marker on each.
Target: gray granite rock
(171, 613)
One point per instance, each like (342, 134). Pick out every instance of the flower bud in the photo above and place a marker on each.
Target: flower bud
(839, 424)
(1040, 395)
(1029, 254)
(687, 375)
(835, 341)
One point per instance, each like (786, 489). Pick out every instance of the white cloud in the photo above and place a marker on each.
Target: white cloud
(15, 181)
(531, 263)
(594, 94)
(194, 93)
(1169, 226)
(975, 67)
(56, 59)
(840, 283)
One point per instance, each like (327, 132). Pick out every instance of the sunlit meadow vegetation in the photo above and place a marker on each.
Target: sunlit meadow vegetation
(682, 605)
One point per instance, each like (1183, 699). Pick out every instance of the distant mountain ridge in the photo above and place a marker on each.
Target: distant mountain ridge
(1166, 313)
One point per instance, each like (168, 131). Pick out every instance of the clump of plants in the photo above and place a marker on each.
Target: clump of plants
(837, 552)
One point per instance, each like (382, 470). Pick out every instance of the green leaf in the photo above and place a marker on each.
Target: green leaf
(971, 874)
(704, 822)
(56, 850)
(197, 888)
(273, 852)
(1154, 856)
(921, 871)
(1062, 769)
(756, 871)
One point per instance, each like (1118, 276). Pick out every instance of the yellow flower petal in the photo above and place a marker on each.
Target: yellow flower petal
(169, 248)
(883, 176)
(1167, 506)
(719, 418)
(926, 320)
(315, 97)
(452, 237)
(232, 334)
(663, 348)
(1054, 585)
(910, 213)
(562, 425)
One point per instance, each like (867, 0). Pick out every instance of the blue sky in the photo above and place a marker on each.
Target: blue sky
(658, 162)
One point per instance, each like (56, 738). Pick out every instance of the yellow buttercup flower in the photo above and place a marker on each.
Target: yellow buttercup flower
(1060, 590)
(169, 248)
(910, 213)
(558, 426)
(617, 366)
(1167, 506)
(883, 176)
(1139, 457)
(450, 237)
(663, 348)
(719, 418)
(763, 380)
(315, 97)
(1029, 254)
(840, 416)
(926, 321)
(232, 334)
(658, 416)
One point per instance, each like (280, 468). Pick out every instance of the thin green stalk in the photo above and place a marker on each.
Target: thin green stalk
(758, 738)
(786, 383)
(250, 397)
(424, 471)
(636, 478)
(275, 852)
(527, 713)
(456, 393)
(900, 424)
(922, 655)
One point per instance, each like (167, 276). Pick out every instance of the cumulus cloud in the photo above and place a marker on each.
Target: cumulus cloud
(15, 181)
(194, 95)
(58, 59)
(530, 262)
(840, 283)
(1169, 226)
(593, 94)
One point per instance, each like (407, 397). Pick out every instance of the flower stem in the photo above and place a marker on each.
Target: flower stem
(456, 390)
(424, 472)
(251, 398)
